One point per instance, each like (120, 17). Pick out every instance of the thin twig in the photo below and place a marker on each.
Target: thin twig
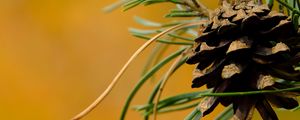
(120, 73)
(164, 81)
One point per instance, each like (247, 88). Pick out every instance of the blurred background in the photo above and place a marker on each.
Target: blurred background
(57, 56)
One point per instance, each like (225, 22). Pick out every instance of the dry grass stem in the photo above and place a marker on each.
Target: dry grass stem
(120, 73)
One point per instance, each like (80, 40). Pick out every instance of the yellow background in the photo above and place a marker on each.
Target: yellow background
(57, 56)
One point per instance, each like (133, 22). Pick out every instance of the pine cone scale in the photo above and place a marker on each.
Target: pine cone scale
(245, 47)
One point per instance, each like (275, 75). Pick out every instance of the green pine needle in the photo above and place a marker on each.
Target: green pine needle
(155, 90)
(150, 2)
(183, 14)
(226, 114)
(183, 107)
(195, 113)
(174, 100)
(146, 22)
(155, 54)
(288, 6)
(146, 77)
(270, 3)
(114, 6)
(142, 32)
(250, 92)
(132, 4)
(162, 40)
(296, 109)
(181, 37)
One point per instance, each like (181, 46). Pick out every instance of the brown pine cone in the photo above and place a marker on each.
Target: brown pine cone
(247, 47)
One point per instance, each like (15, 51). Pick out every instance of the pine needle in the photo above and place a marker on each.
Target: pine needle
(162, 85)
(145, 77)
(120, 73)
(114, 6)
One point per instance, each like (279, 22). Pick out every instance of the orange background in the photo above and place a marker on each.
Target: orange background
(57, 56)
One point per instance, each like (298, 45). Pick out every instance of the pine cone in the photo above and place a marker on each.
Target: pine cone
(247, 47)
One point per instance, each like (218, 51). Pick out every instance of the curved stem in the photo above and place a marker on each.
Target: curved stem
(120, 73)
(163, 83)
(145, 77)
(130, 97)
